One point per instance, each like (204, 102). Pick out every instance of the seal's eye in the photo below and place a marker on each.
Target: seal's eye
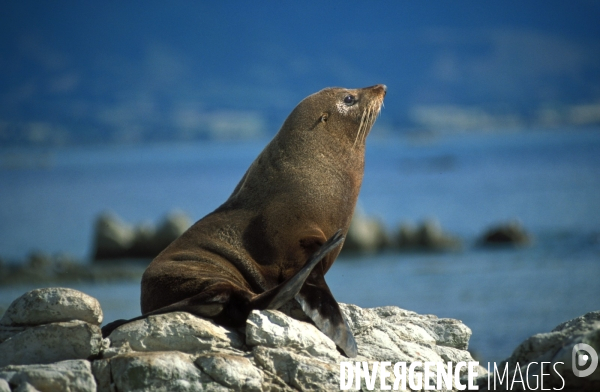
(349, 100)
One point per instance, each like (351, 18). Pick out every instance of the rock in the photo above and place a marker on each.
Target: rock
(511, 233)
(143, 246)
(429, 236)
(272, 328)
(172, 331)
(26, 387)
(554, 347)
(419, 328)
(182, 352)
(156, 371)
(298, 371)
(365, 235)
(173, 226)
(232, 371)
(7, 331)
(280, 352)
(38, 260)
(49, 305)
(64, 269)
(112, 237)
(53, 342)
(73, 375)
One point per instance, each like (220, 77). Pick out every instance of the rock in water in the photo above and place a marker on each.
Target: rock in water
(429, 236)
(173, 226)
(115, 239)
(112, 237)
(511, 233)
(552, 354)
(365, 235)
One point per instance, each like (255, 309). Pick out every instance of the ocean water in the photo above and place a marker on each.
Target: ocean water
(549, 181)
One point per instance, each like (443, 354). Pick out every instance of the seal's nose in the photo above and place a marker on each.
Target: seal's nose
(380, 88)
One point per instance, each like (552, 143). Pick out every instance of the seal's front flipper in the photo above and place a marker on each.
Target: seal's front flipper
(318, 303)
(108, 328)
(279, 295)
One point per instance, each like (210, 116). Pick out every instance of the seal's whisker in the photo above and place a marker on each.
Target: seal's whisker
(370, 120)
(367, 124)
(362, 119)
(365, 128)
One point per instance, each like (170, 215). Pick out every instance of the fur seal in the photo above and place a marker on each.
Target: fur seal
(282, 227)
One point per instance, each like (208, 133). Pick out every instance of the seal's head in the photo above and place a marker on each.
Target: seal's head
(349, 113)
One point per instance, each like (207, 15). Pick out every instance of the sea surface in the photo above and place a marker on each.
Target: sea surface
(547, 180)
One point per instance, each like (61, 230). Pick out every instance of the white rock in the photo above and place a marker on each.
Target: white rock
(179, 331)
(422, 328)
(231, 371)
(7, 331)
(73, 376)
(50, 305)
(557, 346)
(51, 343)
(4, 387)
(360, 320)
(159, 371)
(286, 353)
(181, 352)
(272, 328)
(101, 371)
(299, 371)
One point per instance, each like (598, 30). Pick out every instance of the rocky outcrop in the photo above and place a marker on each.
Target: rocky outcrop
(42, 268)
(506, 234)
(366, 234)
(49, 325)
(47, 339)
(428, 236)
(181, 352)
(273, 352)
(71, 375)
(552, 354)
(115, 239)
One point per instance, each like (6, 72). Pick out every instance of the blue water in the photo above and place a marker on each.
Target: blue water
(550, 181)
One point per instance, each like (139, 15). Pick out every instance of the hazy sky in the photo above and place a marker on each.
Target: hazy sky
(137, 70)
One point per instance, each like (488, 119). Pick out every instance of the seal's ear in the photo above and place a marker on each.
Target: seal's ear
(324, 117)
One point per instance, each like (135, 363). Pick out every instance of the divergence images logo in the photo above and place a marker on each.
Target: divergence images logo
(579, 359)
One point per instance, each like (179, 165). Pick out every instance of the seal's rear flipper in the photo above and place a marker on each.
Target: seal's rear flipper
(203, 305)
(279, 295)
(318, 303)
